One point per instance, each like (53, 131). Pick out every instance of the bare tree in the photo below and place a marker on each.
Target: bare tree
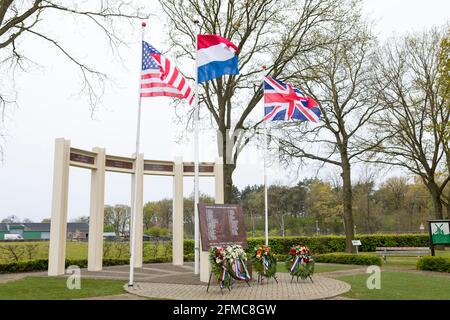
(22, 20)
(339, 78)
(12, 252)
(266, 32)
(118, 217)
(444, 85)
(31, 250)
(416, 115)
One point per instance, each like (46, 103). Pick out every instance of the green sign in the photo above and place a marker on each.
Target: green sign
(440, 232)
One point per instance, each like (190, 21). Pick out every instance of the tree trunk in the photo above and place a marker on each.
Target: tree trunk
(347, 201)
(448, 203)
(436, 197)
(228, 170)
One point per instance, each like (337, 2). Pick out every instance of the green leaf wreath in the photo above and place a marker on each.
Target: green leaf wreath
(227, 264)
(264, 261)
(300, 263)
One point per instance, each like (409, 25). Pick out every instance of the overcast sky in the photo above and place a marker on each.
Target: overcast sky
(49, 108)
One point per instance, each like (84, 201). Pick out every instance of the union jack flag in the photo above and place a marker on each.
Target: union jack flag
(160, 77)
(284, 102)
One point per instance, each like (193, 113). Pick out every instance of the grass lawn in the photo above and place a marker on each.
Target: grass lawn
(400, 286)
(54, 288)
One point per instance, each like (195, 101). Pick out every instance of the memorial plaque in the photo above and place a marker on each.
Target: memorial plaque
(221, 225)
(76, 157)
(119, 164)
(158, 167)
(200, 169)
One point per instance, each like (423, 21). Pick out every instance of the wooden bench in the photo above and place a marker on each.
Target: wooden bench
(402, 251)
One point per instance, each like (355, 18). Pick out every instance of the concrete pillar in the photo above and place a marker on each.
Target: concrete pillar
(219, 199)
(138, 194)
(58, 226)
(218, 174)
(177, 215)
(96, 216)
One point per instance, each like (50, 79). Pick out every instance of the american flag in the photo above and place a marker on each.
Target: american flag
(284, 102)
(160, 77)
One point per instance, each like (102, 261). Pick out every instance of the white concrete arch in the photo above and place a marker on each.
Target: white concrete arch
(99, 162)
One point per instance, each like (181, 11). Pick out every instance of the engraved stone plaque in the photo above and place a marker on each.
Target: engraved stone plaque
(221, 225)
(189, 168)
(76, 157)
(118, 164)
(158, 167)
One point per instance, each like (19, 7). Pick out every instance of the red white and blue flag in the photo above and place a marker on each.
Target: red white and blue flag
(284, 102)
(216, 56)
(160, 77)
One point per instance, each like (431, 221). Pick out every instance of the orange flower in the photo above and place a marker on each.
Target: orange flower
(266, 249)
(259, 252)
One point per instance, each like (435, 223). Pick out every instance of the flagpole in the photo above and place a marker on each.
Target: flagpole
(266, 200)
(196, 160)
(134, 193)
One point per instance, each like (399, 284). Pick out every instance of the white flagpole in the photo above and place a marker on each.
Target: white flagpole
(266, 200)
(196, 164)
(134, 193)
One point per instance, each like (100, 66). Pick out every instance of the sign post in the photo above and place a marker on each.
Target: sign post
(356, 243)
(439, 231)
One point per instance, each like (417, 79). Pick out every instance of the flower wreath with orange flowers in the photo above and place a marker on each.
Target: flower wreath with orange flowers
(264, 261)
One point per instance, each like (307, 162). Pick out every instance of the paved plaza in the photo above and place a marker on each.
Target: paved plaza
(322, 288)
(165, 281)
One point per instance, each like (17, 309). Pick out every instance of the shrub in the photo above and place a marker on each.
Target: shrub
(25, 266)
(157, 232)
(42, 264)
(349, 258)
(188, 246)
(430, 263)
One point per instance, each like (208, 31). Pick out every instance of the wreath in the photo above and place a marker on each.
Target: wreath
(228, 264)
(300, 262)
(264, 261)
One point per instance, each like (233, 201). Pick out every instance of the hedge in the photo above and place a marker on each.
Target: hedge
(328, 244)
(349, 258)
(42, 264)
(280, 246)
(439, 264)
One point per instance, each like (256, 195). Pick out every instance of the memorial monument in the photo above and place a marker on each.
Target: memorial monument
(98, 162)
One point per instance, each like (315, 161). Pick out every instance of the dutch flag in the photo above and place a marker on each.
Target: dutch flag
(216, 56)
